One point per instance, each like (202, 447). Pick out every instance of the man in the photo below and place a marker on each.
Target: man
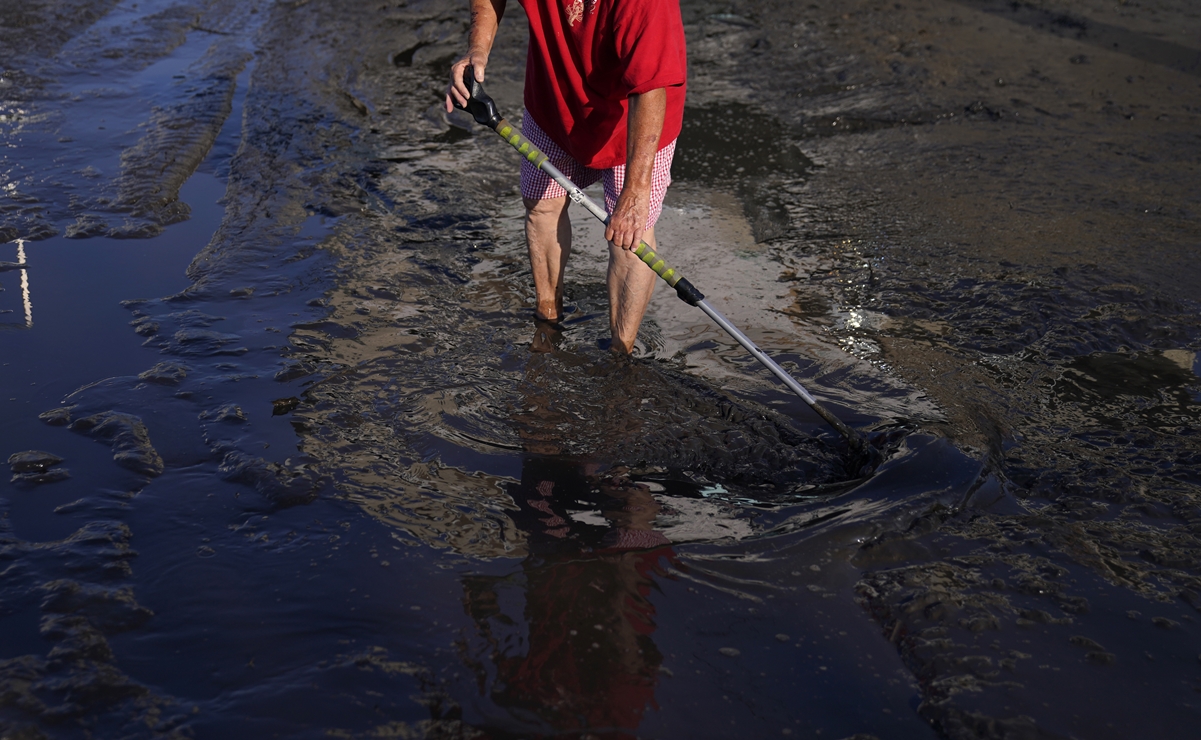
(604, 98)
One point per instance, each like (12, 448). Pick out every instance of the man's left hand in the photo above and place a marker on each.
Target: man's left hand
(628, 220)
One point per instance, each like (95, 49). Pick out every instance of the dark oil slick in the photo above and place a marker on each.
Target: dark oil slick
(289, 458)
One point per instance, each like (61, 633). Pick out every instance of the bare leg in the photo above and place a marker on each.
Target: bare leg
(631, 284)
(548, 236)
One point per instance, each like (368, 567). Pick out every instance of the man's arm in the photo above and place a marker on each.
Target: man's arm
(485, 19)
(628, 220)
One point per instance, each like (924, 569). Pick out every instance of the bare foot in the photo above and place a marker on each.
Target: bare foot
(616, 346)
(546, 334)
(549, 312)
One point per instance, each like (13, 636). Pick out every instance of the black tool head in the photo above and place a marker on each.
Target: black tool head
(479, 105)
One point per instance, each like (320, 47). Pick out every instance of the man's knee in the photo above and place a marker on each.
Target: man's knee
(544, 208)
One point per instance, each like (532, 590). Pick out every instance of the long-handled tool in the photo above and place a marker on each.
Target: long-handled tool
(483, 110)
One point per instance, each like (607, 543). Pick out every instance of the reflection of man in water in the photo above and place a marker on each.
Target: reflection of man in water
(580, 656)
(604, 98)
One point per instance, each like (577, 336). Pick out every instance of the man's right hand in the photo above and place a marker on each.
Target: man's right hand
(457, 92)
(485, 18)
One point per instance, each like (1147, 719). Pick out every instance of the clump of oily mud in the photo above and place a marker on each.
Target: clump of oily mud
(34, 467)
(80, 586)
(644, 415)
(129, 438)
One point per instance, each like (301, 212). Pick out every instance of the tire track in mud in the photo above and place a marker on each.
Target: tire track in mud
(42, 27)
(74, 179)
(179, 138)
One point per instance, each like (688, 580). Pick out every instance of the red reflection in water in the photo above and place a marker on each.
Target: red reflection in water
(579, 655)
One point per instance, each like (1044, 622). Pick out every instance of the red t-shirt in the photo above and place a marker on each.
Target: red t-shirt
(587, 57)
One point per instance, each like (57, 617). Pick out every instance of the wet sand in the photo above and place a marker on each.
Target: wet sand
(318, 483)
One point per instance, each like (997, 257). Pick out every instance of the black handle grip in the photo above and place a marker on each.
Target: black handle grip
(479, 105)
(688, 292)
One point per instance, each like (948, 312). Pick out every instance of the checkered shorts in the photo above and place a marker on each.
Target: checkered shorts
(537, 185)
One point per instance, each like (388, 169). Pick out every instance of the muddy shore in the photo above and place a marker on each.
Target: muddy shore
(318, 484)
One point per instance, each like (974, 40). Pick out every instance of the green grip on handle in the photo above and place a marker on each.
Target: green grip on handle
(520, 143)
(647, 255)
(684, 289)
